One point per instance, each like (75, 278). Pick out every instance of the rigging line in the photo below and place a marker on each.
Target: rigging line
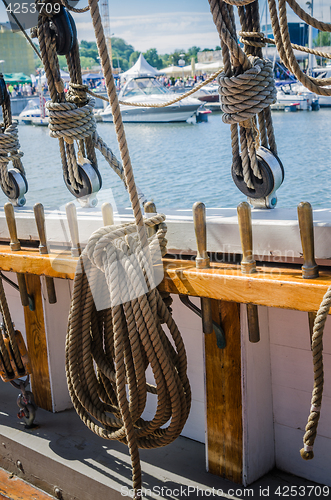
(163, 105)
(23, 30)
(245, 39)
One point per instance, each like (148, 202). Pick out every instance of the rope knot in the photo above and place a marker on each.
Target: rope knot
(246, 95)
(252, 38)
(77, 94)
(69, 122)
(9, 144)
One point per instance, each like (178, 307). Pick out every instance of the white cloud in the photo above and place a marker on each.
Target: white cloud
(165, 32)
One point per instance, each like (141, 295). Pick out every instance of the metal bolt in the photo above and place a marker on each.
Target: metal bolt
(58, 493)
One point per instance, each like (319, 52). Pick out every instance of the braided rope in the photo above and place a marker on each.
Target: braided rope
(245, 38)
(247, 94)
(124, 339)
(109, 349)
(307, 18)
(65, 3)
(9, 152)
(283, 44)
(246, 87)
(69, 122)
(316, 401)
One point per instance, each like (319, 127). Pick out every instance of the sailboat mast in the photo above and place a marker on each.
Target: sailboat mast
(266, 28)
(310, 40)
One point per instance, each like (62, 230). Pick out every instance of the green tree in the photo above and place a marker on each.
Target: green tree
(87, 62)
(153, 58)
(192, 52)
(133, 58)
(323, 39)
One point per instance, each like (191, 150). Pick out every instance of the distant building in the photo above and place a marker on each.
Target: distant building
(207, 56)
(17, 54)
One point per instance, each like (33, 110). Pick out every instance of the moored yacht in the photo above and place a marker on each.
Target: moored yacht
(147, 90)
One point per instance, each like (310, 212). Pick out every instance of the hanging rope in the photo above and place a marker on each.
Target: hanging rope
(285, 50)
(9, 146)
(246, 87)
(316, 401)
(110, 346)
(71, 118)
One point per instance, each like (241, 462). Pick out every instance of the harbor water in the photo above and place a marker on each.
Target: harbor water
(180, 163)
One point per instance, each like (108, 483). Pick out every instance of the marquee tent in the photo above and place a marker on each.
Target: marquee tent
(141, 68)
(16, 78)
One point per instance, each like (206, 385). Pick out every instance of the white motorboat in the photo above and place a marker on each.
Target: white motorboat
(208, 93)
(323, 72)
(295, 97)
(148, 90)
(34, 113)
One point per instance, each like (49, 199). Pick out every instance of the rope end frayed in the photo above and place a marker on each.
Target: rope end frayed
(306, 455)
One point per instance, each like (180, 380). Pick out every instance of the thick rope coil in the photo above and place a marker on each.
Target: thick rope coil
(246, 86)
(115, 333)
(9, 151)
(247, 94)
(316, 401)
(69, 122)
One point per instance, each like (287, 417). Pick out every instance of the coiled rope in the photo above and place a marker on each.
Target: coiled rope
(9, 147)
(115, 323)
(71, 117)
(246, 88)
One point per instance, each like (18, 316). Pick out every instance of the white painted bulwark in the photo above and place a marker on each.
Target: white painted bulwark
(258, 431)
(56, 322)
(275, 232)
(292, 383)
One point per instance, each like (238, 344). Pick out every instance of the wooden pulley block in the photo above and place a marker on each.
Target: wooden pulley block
(3, 90)
(16, 373)
(65, 31)
(91, 184)
(264, 193)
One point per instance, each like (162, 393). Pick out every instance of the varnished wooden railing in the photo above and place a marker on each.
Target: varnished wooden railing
(271, 286)
(225, 284)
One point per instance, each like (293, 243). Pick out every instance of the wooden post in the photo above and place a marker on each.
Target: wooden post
(223, 395)
(37, 346)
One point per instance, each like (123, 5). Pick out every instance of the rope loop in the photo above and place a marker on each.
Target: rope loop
(247, 94)
(69, 122)
(252, 38)
(9, 144)
(77, 94)
(239, 3)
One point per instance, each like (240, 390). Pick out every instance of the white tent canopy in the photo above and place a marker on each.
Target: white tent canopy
(64, 76)
(141, 68)
(172, 71)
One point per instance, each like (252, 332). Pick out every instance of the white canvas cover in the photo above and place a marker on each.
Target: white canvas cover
(141, 68)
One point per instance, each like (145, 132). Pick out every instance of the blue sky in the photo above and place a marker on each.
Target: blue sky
(166, 25)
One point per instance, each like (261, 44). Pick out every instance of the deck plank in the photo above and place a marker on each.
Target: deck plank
(14, 488)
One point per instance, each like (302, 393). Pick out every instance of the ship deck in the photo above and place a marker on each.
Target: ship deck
(62, 453)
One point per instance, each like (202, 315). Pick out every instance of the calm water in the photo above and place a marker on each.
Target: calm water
(178, 164)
